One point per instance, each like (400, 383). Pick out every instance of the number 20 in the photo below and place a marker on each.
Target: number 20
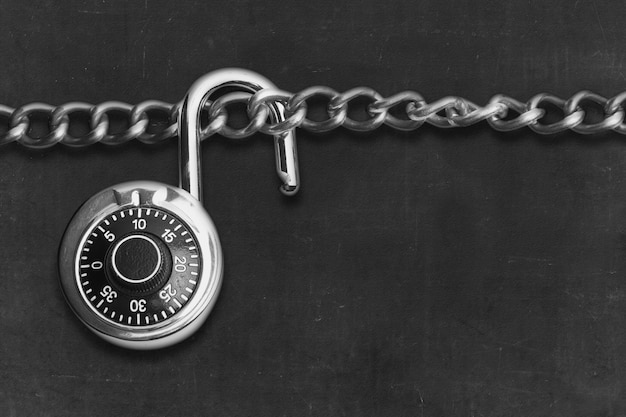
(179, 263)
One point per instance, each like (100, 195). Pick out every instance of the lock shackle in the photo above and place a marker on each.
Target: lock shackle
(190, 167)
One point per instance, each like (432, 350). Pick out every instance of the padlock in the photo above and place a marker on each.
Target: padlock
(140, 262)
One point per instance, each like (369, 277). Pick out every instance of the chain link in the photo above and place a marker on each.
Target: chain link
(405, 111)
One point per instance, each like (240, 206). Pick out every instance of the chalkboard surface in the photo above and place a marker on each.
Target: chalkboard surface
(433, 273)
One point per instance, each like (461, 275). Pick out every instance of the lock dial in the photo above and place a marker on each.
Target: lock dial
(141, 265)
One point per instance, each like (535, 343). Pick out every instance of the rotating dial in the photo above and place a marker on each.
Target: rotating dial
(138, 266)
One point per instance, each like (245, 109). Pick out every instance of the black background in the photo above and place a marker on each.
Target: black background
(431, 273)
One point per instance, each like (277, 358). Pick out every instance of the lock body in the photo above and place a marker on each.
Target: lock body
(141, 264)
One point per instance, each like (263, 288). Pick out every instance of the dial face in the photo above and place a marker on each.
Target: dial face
(138, 266)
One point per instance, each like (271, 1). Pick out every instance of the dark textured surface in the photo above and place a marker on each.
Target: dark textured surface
(456, 273)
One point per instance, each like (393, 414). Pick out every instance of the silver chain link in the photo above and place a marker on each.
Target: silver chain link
(405, 111)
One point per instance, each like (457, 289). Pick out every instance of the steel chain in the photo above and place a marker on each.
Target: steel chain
(404, 111)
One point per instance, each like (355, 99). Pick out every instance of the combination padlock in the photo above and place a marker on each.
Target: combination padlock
(140, 262)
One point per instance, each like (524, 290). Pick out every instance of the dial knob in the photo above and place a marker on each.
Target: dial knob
(141, 265)
(139, 262)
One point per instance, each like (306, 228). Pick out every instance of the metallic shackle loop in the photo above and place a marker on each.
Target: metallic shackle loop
(189, 128)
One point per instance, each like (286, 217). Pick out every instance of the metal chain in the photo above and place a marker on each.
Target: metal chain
(406, 110)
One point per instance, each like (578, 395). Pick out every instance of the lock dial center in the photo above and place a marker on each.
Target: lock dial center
(139, 266)
(136, 259)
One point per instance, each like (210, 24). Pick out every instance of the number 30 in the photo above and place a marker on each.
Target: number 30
(138, 306)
